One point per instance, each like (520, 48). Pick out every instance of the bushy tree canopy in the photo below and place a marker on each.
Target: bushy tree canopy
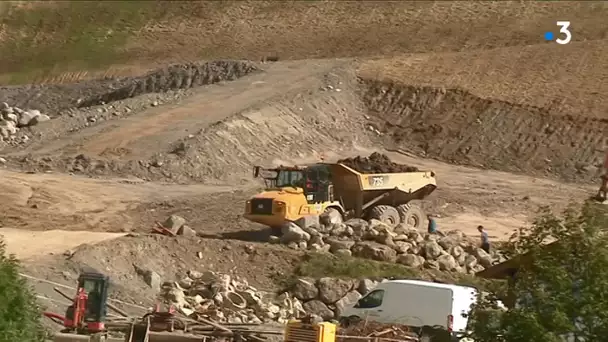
(19, 314)
(561, 288)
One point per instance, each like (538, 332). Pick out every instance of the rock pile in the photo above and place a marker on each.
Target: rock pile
(177, 76)
(14, 118)
(328, 297)
(375, 240)
(228, 299)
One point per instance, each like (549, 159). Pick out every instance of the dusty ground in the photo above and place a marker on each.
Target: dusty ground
(531, 108)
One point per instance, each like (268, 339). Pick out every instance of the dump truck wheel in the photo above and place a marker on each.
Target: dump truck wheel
(385, 213)
(412, 215)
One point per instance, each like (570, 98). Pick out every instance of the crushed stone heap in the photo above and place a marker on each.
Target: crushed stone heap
(227, 299)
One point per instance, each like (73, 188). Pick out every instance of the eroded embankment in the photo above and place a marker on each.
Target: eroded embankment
(53, 98)
(322, 115)
(461, 128)
(179, 76)
(294, 125)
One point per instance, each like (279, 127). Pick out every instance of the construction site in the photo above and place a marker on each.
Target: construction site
(191, 160)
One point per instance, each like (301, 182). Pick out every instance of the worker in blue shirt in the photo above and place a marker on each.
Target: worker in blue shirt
(485, 240)
(432, 228)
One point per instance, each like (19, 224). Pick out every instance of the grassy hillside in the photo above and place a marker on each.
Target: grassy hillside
(42, 40)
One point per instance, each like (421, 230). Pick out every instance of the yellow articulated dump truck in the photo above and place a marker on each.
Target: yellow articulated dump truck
(294, 193)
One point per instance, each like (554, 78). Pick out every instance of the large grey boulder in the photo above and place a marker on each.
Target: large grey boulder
(305, 289)
(374, 251)
(318, 308)
(292, 233)
(332, 289)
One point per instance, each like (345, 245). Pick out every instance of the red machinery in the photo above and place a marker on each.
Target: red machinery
(87, 314)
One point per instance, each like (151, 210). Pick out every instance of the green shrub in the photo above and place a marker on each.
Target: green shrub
(560, 290)
(20, 317)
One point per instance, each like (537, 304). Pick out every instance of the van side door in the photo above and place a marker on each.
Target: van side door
(371, 306)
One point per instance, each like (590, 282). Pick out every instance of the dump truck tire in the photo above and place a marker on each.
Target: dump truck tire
(412, 215)
(385, 213)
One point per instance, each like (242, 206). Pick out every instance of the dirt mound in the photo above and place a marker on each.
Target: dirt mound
(461, 128)
(170, 258)
(179, 76)
(376, 163)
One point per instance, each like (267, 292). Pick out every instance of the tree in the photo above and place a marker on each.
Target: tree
(20, 317)
(561, 288)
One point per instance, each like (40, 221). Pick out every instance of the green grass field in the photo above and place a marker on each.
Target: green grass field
(68, 36)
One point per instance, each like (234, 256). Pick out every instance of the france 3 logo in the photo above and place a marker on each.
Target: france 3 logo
(564, 33)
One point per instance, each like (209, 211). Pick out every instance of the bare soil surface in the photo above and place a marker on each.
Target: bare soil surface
(568, 80)
(45, 202)
(458, 127)
(123, 153)
(171, 258)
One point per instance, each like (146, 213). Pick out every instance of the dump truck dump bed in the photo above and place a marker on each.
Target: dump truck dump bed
(355, 189)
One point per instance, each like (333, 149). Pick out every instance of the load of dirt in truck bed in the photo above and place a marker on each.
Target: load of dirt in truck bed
(376, 163)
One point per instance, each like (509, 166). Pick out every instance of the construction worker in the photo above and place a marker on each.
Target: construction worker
(485, 240)
(432, 227)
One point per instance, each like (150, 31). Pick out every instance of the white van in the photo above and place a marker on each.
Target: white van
(434, 310)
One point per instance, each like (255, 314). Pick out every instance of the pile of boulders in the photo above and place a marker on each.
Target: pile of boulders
(228, 299)
(449, 251)
(14, 118)
(328, 297)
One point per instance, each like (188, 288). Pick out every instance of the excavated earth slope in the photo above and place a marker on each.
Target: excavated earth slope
(456, 126)
(218, 133)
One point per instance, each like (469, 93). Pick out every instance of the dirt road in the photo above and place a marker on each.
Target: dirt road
(466, 197)
(60, 201)
(140, 136)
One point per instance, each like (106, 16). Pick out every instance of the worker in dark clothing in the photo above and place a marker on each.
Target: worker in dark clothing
(485, 240)
(432, 228)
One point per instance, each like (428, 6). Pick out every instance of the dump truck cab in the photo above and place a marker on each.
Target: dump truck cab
(291, 194)
(294, 193)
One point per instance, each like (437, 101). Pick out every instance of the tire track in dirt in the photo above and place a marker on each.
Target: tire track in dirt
(461, 128)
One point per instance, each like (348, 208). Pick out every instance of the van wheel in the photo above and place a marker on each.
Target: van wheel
(412, 215)
(425, 338)
(385, 213)
(350, 320)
